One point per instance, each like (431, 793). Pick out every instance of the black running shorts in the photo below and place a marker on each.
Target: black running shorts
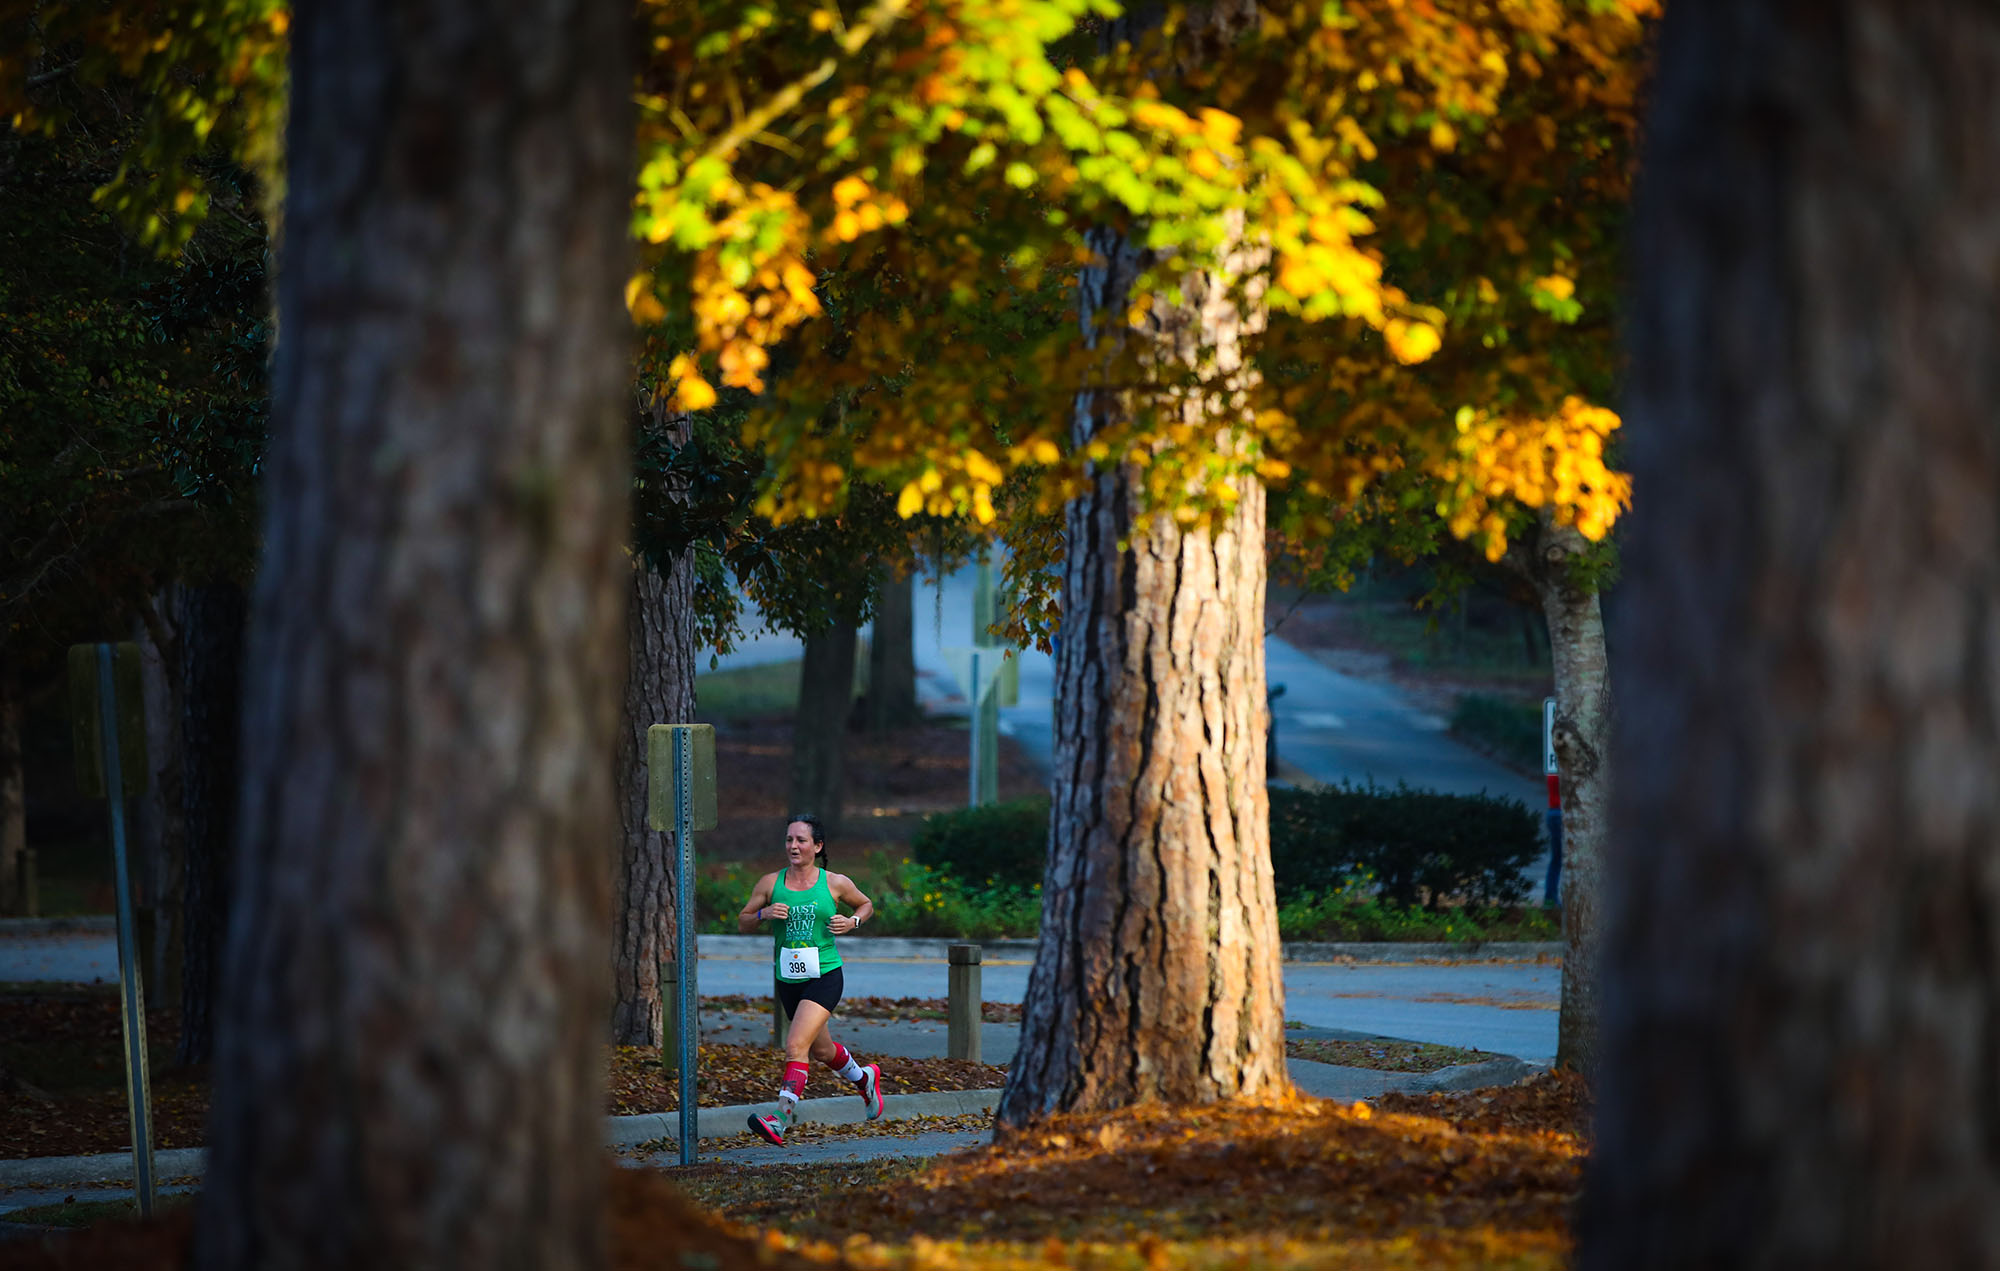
(825, 990)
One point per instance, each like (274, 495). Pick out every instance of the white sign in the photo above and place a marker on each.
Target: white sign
(1549, 736)
(983, 662)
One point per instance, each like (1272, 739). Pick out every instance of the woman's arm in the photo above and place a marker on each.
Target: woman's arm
(758, 909)
(847, 893)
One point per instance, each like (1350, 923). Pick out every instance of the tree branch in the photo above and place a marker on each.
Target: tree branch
(50, 77)
(873, 23)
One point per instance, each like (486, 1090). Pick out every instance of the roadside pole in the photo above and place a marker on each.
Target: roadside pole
(990, 674)
(680, 791)
(985, 712)
(1551, 889)
(109, 724)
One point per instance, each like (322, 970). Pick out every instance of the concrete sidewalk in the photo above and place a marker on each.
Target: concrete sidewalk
(41, 1173)
(47, 1180)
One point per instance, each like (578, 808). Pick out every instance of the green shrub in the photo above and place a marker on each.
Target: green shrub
(1410, 845)
(999, 845)
(1508, 729)
(911, 899)
(1353, 912)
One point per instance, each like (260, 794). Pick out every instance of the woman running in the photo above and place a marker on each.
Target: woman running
(801, 900)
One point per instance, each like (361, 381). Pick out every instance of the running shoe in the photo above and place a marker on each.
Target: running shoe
(870, 1086)
(768, 1127)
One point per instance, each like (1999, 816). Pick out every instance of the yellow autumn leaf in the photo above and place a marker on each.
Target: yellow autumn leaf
(1411, 342)
(694, 393)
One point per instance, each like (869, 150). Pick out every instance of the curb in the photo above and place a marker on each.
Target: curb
(722, 1123)
(51, 926)
(63, 1171)
(619, 1131)
(1504, 1071)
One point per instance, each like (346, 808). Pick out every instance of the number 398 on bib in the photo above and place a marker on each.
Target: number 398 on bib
(798, 964)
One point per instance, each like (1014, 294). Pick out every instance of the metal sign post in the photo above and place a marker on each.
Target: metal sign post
(977, 766)
(680, 760)
(94, 668)
(1549, 766)
(684, 952)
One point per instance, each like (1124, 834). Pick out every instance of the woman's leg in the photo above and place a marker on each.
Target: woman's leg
(808, 1039)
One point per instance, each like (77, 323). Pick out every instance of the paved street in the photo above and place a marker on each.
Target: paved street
(1331, 726)
(1508, 1008)
(77, 957)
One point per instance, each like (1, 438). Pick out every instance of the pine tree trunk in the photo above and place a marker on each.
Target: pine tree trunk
(892, 657)
(211, 777)
(819, 729)
(1157, 977)
(409, 1057)
(1583, 752)
(1802, 1001)
(13, 791)
(659, 689)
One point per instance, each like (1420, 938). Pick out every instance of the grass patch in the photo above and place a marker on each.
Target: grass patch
(1438, 641)
(1510, 731)
(767, 690)
(72, 878)
(747, 692)
(88, 1213)
(1383, 1055)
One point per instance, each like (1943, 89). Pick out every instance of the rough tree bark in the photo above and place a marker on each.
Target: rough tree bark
(1583, 751)
(13, 789)
(1157, 977)
(409, 1058)
(819, 728)
(659, 689)
(892, 656)
(211, 771)
(1801, 1060)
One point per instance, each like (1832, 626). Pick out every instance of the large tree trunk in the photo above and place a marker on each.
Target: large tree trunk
(659, 689)
(211, 772)
(1583, 752)
(1157, 977)
(819, 728)
(1802, 998)
(409, 1057)
(13, 790)
(892, 656)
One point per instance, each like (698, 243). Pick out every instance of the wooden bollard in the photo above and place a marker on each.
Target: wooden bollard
(781, 1022)
(962, 1015)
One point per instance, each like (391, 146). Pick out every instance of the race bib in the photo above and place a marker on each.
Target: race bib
(799, 964)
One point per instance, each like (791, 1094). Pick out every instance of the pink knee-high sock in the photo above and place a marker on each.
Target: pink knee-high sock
(792, 1089)
(843, 1063)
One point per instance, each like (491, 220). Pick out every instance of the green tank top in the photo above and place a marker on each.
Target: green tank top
(806, 928)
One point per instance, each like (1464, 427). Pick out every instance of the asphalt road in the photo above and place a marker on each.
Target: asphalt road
(1332, 726)
(1507, 1008)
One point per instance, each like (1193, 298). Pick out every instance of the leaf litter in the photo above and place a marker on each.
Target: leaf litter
(1479, 1179)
